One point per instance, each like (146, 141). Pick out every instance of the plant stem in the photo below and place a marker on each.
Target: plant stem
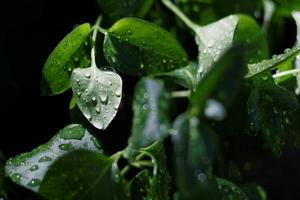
(169, 4)
(125, 170)
(143, 163)
(181, 94)
(286, 73)
(94, 38)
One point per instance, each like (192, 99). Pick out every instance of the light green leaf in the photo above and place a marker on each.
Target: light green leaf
(218, 85)
(277, 61)
(230, 191)
(194, 149)
(137, 47)
(63, 59)
(97, 93)
(28, 169)
(116, 9)
(186, 77)
(150, 120)
(81, 175)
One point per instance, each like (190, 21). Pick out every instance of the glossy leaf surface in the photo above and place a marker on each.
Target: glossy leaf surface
(137, 47)
(28, 169)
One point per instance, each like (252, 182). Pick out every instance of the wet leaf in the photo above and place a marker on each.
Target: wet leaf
(116, 9)
(195, 148)
(28, 169)
(150, 121)
(89, 180)
(97, 93)
(63, 59)
(218, 85)
(137, 47)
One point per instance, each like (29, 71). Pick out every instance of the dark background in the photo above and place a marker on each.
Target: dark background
(29, 32)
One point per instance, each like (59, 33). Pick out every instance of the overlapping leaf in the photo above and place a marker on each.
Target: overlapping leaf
(28, 169)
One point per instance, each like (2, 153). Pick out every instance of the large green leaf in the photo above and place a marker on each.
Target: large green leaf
(284, 60)
(155, 184)
(66, 56)
(138, 47)
(28, 169)
(195, 149)
(97, 93)
(150, 120)
(218, 85)
(230, 191)
(79, 175)
(268, 106)
(116, 9)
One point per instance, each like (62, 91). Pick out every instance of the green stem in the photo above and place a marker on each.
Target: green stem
(181, 94)
(125, 170)
(94, 38)
(142, 163)
(169, 4)
(286, 73)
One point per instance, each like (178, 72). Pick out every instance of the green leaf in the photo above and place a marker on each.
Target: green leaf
(97, 93)
(186, 77)
(218, 85)
(254, 191)
(116, 9)
(276, 62)
(194, 149)
(150, 120)
(28, 169)
(268, 106)
(63, 59)
(79, 175)
(137, 47)
(157, 184)
(230, 191)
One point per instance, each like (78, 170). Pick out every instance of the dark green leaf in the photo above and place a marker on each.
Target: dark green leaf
(195, 149)
(116, 9)
(63, 59)
(218, 84)
(230, 191)
(150, 120)
(97, 93)
(28, 169)
(254, 191)
(79, 175)
(138, 47)
(186, 77)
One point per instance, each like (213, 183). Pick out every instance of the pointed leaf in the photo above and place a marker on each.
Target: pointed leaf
(195, 149)
(59, 65)
(218, 84)
(79, 175)
(97, 93)
(150, 120)
(137, 47)
(28, 169)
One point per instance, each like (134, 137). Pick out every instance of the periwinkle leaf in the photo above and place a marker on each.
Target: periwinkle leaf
(150, 121)
(137, 47)
(98, 94)
(60, 63)
(28, 169)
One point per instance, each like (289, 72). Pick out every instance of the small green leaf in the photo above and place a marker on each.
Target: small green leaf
(116, 9)
(230, 191)
(276, 62)
(186, 77)
(60, 63)
(195, 149)
(254, 191)
(150, 120)
(79, 175)
(218, 85)
(137, 47)
(97, 93)
(28, 169)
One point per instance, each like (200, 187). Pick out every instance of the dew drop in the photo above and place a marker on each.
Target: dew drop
(34, 168)
(211, 43)
(87, 75)
(118, 91)
(215, 110)
(34, 182)
(103, 96)
(16, 177)
(45, 159)
(66, 147)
